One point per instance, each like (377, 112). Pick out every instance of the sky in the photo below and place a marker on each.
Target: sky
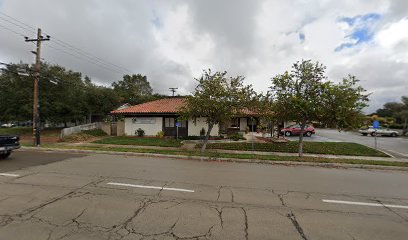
(173, 41)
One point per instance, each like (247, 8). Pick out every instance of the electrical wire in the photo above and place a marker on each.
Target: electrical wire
(72, 50)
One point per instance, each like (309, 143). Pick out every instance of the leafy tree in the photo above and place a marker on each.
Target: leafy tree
(64, 96)
(404, 114)
(304, 96)
(133, 89)
(99, 100)
(217, 98)
(16, 93)
(397, 110)
(342, 103)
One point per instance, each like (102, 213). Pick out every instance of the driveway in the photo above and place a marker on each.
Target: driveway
(100, 196)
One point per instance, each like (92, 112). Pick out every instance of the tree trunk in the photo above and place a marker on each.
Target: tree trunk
(302, 129)
(272, 128)
(210, 127)
(405, 129)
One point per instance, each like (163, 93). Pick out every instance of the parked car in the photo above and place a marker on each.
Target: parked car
(8, 125)
(8, 144)
(295, 130)
(379, 132)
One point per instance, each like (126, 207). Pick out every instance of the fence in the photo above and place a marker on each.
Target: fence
(77, 129)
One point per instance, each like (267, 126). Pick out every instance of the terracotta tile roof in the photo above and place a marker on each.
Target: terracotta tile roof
(247, 112)
(166, 105)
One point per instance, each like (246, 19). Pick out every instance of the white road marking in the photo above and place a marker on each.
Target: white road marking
(365, 204)
(402, 154)
(9, 175)
(150, 187)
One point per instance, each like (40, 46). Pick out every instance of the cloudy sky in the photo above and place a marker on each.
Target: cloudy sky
(173, 41)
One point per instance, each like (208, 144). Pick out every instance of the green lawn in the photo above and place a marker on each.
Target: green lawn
(214, 155)
(28, 131)
(138, 141)
(16, 131)
(334, 148)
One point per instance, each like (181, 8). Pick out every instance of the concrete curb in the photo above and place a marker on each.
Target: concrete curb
(211, 159)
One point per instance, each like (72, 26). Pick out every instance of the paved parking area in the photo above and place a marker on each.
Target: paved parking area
(395, 146)
(103, 196)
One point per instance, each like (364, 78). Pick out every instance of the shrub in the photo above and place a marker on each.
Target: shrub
(396, 126)
(160, 134)
(95, 132)
(79, 137)
(236, 137)
(202, 132)
(140, 132)
(201, 138)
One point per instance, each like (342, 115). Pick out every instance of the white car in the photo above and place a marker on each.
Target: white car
(379, 132)
(8, 125)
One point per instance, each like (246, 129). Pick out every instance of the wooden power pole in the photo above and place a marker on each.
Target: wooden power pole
(173, 90)
(36, 103)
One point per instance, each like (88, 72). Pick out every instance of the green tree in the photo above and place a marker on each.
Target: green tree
(305, 96)
(397, 110)
(99, 100)
(342, 104)
(133, 89)
(16, 91)
(64, 96)
(217, 98)
(404, 114)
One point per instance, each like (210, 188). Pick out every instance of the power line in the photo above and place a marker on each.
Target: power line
(76, 56)
(18, 25)
(86, 56)
(16, 20)
(11, 30)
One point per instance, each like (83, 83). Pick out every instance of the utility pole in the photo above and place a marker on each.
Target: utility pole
(172, 89)
(36, 103)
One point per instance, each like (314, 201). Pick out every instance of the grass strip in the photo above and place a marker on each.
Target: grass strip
(216, 155)
(140, 141)
(333, 148)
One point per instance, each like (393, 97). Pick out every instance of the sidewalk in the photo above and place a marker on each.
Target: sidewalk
(190, 147)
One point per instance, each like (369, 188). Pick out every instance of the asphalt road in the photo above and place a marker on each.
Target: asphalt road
(103, 196)
(395, 146)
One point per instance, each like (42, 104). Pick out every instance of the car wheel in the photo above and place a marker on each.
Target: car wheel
(364, 134)
(5, 155)
(308, 134)
(373, 134)
(288, 134)
(393, 134)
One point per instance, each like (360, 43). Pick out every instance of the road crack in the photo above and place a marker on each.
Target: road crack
(391, 210)
(246, 223)
(296, 224)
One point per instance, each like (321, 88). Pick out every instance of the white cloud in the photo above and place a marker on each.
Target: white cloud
(172, 41)
(394, 38)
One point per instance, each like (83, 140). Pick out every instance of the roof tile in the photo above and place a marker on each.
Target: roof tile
(166, 105)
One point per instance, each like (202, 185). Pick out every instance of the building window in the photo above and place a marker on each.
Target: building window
(183, 123)
(169, 122)
(234, 123)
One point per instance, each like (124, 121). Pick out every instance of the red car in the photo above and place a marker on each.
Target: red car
(295, 130)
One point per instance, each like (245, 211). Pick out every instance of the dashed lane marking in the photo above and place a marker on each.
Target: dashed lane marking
(365, 204)
(150, 187)
(9, 175)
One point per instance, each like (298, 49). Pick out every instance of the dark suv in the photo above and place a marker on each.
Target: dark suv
(8, 144)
